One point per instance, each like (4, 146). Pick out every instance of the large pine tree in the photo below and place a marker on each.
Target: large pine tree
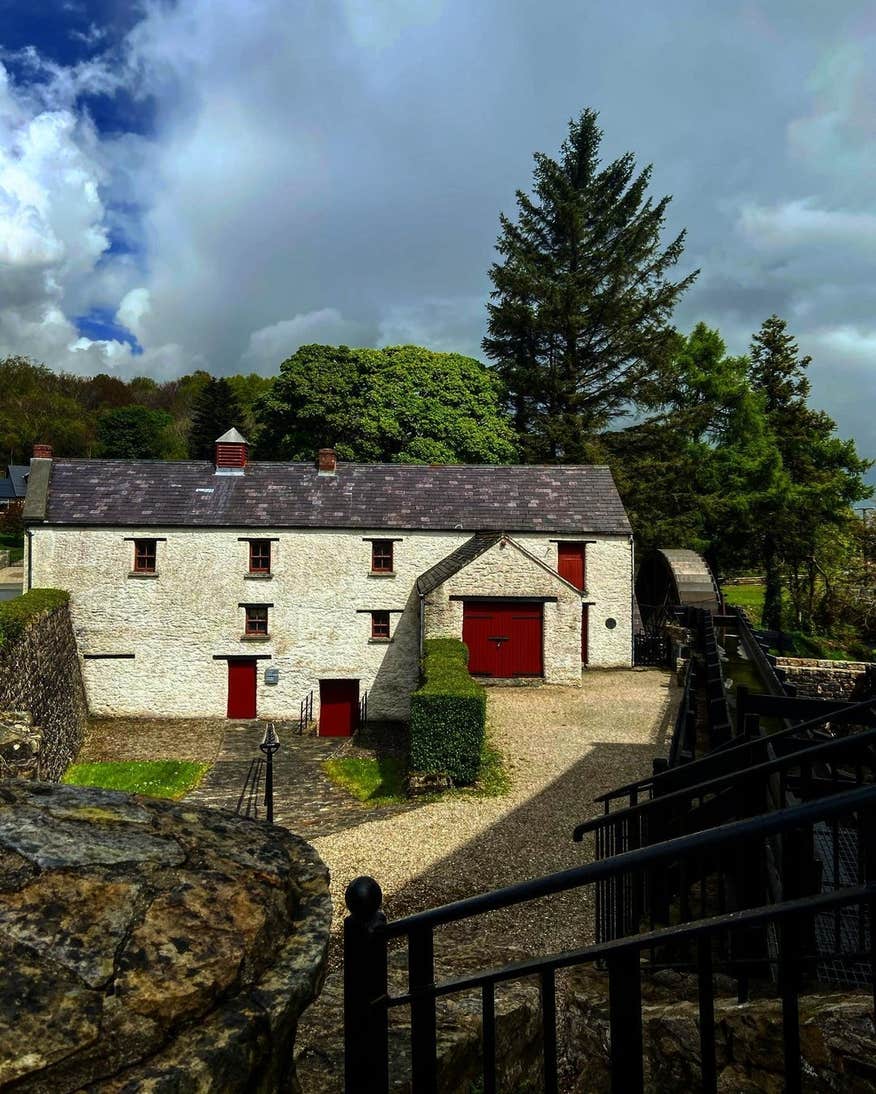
(823, 474)
(215, 410)
(579, 319)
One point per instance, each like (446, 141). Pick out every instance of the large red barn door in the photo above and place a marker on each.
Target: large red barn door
(242, 687)
(338, 707)
(504, 639)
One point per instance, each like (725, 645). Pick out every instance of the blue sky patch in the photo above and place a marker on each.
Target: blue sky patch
(100, 325)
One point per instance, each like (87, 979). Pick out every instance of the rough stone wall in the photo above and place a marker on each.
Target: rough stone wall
(40, 674)
(829, 679)
(321, 590)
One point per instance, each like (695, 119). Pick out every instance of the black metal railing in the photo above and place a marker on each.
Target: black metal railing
(651, 648)
(744, 751)
(623, 902)
(698, 945)
(305, 713)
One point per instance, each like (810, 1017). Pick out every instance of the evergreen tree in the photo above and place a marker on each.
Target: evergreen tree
(579, 323)
(214, 411)
(823, 475)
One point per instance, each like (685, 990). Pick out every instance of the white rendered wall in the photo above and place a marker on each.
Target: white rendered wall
(321, 589)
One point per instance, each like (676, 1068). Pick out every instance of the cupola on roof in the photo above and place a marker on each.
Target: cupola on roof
(231, 437)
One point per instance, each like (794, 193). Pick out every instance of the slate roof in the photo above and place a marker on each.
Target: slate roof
(480, 498)
(455, 561)
(18, 473)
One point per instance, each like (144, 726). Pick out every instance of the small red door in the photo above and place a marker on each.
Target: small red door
(585, 629)
(570, 563)
(242, 687)
(338, 707)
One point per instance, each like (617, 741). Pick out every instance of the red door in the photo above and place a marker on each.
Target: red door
(570, 563)
(585, 632)
(338, 707)
(242, 688)
(504, 639)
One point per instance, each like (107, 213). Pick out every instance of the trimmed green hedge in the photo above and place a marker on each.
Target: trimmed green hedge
(448, 713)
(15, 613)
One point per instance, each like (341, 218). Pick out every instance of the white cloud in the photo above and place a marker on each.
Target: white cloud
(271, 345)
(793, 224)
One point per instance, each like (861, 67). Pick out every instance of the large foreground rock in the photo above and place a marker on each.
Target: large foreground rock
(152, 946)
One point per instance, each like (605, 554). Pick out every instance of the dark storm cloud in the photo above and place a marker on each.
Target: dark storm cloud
(336, 171)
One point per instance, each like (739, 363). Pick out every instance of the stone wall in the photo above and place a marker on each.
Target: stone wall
(830, 679)
(148, 945)
(40, 674)
(154, 645)
(837, 1041)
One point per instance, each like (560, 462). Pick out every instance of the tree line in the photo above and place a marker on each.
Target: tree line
(712, 451)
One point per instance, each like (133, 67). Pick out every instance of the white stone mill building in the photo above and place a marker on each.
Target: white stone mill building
(238, 588)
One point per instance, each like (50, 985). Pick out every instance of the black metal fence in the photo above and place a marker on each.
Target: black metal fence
(651, 648)
(305, 713)
(367, 934)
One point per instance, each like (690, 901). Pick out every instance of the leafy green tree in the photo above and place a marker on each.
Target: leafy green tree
(823, 474)
(215, 410)
(401, 404)
(703, 472)
(133, 433)
(579, 320)
(36, 408)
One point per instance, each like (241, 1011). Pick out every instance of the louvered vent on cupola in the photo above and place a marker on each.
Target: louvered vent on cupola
(231, 451)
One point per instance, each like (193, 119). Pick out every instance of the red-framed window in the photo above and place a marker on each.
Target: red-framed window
(381, 556)
(256, 619)
(259, 556)
(144, 556)
(380, 625)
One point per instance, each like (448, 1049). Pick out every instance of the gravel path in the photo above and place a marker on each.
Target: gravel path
(565, 746)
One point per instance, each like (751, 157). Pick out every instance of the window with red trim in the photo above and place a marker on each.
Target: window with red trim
(144, 556)
(381, 556)
(256, 619)
(380, 625)
(259, 556)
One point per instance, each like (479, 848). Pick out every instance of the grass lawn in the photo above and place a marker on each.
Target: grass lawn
(155, 778)
(749, 597)
(381, 781)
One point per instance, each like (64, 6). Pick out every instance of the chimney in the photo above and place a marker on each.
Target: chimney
(328, 464)
(42, 452)
(231, 451)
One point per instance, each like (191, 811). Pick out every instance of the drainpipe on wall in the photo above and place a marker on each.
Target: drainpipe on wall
(632, 600)
(29, 535)
(422, 622)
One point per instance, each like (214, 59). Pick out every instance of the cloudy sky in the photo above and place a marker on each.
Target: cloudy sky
(211, 183)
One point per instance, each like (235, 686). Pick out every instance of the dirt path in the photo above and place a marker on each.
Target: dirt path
(565, 745)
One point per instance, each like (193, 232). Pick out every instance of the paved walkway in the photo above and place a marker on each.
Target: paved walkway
(305, 800)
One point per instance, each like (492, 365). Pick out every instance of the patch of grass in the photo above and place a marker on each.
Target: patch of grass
(16, 613)
(374, 781)
(749, 597)
(154, 778)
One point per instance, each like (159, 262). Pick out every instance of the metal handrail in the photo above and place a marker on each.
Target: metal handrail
(367, 999)
(792, 759)
(732, 750)
(639, 859)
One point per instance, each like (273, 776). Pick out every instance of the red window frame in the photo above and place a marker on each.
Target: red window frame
(145, 556)
(381, 556)
(259, 556)
(256, 620)
(380, 625)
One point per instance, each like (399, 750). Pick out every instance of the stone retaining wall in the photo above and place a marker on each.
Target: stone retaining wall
(40, 674)
(829, 679)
